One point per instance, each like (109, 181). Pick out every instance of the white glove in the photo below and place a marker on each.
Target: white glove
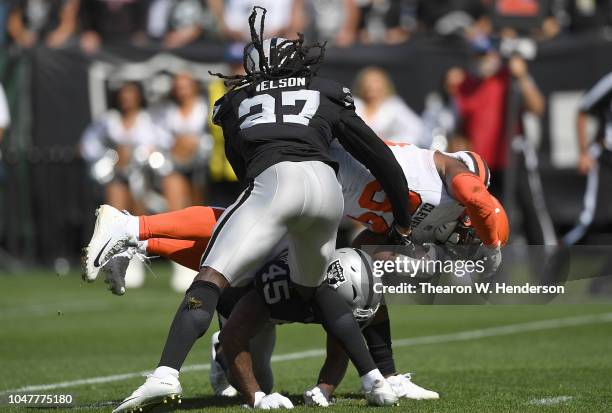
(315, 397)
(271, 401)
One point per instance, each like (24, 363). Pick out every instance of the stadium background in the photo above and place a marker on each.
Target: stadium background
(47, 194)
(62, 336)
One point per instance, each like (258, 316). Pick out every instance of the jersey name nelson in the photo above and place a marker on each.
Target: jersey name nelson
(280, 83)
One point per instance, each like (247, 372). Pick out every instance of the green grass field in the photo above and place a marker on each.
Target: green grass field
(57, 329)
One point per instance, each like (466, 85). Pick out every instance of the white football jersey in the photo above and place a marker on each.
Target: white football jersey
(432, 206)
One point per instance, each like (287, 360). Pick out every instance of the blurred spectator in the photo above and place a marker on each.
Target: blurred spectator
(482, 103)
(491, 101)
(447, 17)
(441, 116)
(284, 18)
(112, 22)
(335, 21)
(115, 140)
(380, 21)
(175, 23)
(589, 15)
(5, 116)
(385, 112)
(186, 121)
(50, 21)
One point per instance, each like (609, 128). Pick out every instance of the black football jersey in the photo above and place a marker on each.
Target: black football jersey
(279, 120)
(294, 119)
(274, 285)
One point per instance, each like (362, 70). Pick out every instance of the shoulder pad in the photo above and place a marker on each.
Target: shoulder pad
(335, 92)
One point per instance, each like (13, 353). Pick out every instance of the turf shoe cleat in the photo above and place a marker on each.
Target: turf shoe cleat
(110, 237)
(217, 375)
(404, 388)
(381, 394)
(154, 392)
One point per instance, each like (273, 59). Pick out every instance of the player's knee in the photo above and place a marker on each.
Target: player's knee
(212, 276)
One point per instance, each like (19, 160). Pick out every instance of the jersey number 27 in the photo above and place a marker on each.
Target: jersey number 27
(311, 99)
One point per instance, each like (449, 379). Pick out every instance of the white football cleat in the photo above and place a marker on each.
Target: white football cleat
(381, 394)
(154, 392)
(217, 376)
(110, 237)
(404, 388)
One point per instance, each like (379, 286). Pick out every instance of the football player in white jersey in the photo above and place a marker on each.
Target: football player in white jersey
(445, 187)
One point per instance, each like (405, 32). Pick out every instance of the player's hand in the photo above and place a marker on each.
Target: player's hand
(400, 236)
(271, 401)
(585, 163)
(492, 257)
(315, 397)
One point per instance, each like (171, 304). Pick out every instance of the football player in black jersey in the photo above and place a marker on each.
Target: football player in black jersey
(278, 121)
(274, 299)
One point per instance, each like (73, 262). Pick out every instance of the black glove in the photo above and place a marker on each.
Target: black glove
(398, 238)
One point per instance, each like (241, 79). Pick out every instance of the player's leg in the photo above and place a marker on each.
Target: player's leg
(193, 223)
(184, 252)
(378, 338)
(244, 235)
(312, 236)
(338, 320)
(116, 231)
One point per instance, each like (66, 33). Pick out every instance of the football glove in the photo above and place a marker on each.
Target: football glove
(271, 401)
(315, 397)
(396, 237)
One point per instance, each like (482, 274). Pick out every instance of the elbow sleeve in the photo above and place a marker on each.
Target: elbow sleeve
(469, 190)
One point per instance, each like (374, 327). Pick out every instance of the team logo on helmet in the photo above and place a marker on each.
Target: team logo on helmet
(335, 274)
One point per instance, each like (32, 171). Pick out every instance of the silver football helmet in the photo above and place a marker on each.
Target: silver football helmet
(349, 272)
(271, 48)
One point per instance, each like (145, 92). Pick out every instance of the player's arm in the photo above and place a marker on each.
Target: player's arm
(470, 191)
(363, 144)
(334, 367)
(246, 320)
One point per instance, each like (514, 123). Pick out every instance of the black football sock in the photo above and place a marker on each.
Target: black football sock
(191, 321)
(338, 321)
(378, 337)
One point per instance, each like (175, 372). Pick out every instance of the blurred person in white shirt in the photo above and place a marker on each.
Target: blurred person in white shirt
(335, 21)
(122, 135)
(185, 120)
(385, 112)
(175, 23)
(284, 18)
(5, 116)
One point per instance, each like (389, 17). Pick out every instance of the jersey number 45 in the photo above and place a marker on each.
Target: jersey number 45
(267, 114)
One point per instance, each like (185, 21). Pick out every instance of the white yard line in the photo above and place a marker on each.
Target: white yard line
(406, 342)
(551, 401)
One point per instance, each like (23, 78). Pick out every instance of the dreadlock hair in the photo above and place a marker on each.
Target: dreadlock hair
(298, 60)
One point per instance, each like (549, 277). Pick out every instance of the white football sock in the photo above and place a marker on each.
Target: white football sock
(133, 227)
(163, 371)
(368, 379)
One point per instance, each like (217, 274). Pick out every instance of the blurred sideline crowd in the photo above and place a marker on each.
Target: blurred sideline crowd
(168, 155)
(177, 23)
